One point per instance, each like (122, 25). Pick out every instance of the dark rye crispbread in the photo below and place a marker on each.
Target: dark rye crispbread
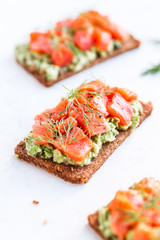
(130, 44)
(77, 174)
(93, 222)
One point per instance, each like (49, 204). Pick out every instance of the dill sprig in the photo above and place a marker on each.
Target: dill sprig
(74, 49)
(71, 93)
(53, 129)
(143, 194)
(86, 116)
(87, 109)
(131, 215)
(153, 70)
(152, 202)
(156, 41)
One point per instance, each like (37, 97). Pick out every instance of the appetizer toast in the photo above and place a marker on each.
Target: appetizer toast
(72, 46)
(76, 137)
(132, 215)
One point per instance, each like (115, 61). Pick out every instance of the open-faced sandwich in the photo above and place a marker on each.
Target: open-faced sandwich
(76, 137)
(72, 46)
(132, 215)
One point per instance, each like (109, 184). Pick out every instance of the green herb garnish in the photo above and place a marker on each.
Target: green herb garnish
(131, 215)
(53, 132)
(153, 70)
(152, 202)
(88, 110)
(157, 41)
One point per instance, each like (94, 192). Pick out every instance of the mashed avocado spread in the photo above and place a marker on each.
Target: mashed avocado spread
(104, 223)
(49, 152)
(105, 226)
(41, 62)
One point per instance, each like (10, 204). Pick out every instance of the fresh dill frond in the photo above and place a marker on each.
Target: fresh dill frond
(88, 109)
(54, 133)
(71, 93)
(152, 202)
(143, 193)
(153, 70)
(74, 49)
(131, 215)
(156, 41)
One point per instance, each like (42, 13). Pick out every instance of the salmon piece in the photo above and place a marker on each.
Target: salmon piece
(54, 114)
(91, 123)
(76, 145)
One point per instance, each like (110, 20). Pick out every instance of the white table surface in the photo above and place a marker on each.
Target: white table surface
(66, 206)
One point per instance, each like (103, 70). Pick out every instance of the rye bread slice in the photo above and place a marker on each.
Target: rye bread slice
(126, 46)
(77, 174)
(93, 222)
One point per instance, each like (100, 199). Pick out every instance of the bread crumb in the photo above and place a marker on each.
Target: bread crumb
(35, 202)
(45, 222)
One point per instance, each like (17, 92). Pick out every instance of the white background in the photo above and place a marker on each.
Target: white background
(65, 205)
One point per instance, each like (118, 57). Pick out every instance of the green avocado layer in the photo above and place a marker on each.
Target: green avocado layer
(43, 65)
(104, 226)
(49, 152)
(104, 223)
